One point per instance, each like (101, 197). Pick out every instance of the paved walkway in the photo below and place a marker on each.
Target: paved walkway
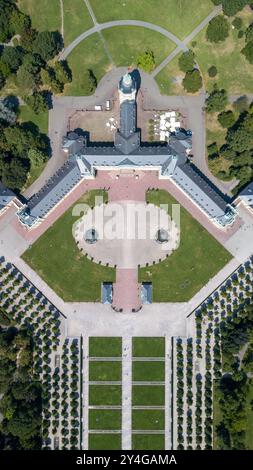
(188, 39)
(126, 393)
(168, 393)
(110, 24)
(85, 376)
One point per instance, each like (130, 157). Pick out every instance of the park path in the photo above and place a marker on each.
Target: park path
(126, 392)
(94, 19)
(85, 398)
(188, 39)
(168, 393)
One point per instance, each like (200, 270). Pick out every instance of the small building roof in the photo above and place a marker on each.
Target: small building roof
(6, 195)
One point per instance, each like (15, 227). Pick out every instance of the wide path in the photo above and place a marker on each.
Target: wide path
(126, 392)
(110, 24)
(188, 39)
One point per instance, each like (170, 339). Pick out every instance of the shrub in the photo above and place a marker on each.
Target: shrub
(212, 71)
(226, 119)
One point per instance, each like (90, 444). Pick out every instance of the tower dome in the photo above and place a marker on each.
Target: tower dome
(127, 88)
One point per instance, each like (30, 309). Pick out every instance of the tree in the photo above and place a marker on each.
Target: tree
(14, 173)
(231, 7)
(12, 56)
(37, 102)
(237, 23)
(48, 44)
(248, 52)
(192, 81)
(216, 101)
(212, 71)
(49, 79)
(88, 82)
(6, 10)
(27, 39)
(218, 29)
(36, 157)
(28, 77)
(249, 33)
(2, 80)
(6, 113)
(146, 60)
(186, 61)
(226, 119)
(19, 22)
(62, 72)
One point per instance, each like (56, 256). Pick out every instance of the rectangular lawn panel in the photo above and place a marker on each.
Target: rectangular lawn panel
(103, 346)
(148, 347)
(104, 395)
(57, 259)
(148, 420)
(148, 442)
(148, 395)
(125, 44)
(104, 441)
(90, 53)
(108, 371)
(197, 259)
(179, 17)
(148, 371)
(105, 419)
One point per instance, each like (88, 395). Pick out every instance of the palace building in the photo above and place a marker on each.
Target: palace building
(170, 160)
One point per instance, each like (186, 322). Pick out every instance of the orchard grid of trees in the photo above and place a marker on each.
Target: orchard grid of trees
(213, 369)
(39, 370)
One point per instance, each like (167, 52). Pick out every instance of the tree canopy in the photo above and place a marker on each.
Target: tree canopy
(186, 61)
(216, 101)
(192, 81)
(218, 29)
(146, 60)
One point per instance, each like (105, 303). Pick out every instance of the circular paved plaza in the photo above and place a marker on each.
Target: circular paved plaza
(126, 234)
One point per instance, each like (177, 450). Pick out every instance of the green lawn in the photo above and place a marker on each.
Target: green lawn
(125, 43)
(41, 120)
(89, 54)
(148, 347)
(148, 442)
(76, 19)
(61, 264)
(148, 395)
(107, 371)
(148, 371)
(100, 346)
(104, 395)
(105, 419)
(45, 14)
(198, 258)
(170, 79)
(148, 420)
(178, 16)
(104, 441)
(234, 71)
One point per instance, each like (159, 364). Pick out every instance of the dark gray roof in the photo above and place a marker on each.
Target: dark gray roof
(247, 194)
(6, 195)
(128, 118)
(55, 189)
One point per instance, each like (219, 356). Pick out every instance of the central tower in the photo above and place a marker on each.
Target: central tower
(127, 138)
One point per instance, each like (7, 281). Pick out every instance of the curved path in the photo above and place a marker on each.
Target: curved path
(110, 24)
